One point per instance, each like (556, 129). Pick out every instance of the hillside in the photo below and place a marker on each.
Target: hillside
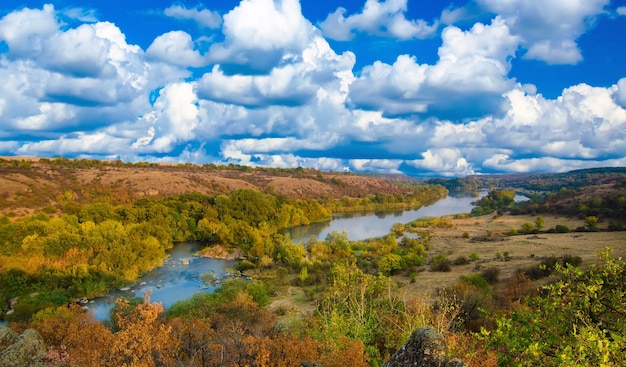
(28, 184)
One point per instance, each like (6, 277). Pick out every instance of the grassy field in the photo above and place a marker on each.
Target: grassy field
(488, 236)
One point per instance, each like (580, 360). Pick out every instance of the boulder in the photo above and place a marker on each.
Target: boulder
(7, 337)
(27, 350)
(425, 348)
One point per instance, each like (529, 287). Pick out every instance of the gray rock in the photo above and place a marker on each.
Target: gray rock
(7, 337)
(425, 348)
(27, 351)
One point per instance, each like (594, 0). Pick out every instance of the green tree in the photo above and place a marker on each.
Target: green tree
(539, 223)
(580, 321)
(591, 223)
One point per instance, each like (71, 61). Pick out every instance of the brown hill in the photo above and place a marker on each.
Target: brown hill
(30, 184)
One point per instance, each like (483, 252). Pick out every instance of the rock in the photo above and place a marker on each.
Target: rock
(27, 351)
(7, 337)
(13, 302)
(425, 348)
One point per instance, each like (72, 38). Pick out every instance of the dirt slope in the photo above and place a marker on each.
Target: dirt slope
(32, 185)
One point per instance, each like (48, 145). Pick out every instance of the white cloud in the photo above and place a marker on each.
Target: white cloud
(376, 165)
(261, 33)
(620, 92)
(471, 74)
(444, 161)
(82, 14)
(91, 144)
(176, 48)
(25, 30)
(621, 10)
(204, 17)
(386, 18)
(79, 78)
(77, 52)
(549, 29)
(177, 116)
(584, 122)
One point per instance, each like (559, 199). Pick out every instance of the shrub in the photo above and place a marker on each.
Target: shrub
(474, 256)
(560, 228)
(476, 280)
(490, 275)
(466, 235)
(440, 263)
(461, 260)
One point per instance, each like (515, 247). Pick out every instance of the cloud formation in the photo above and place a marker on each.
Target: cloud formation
(203, 17)
(385, 18)
(271, 89)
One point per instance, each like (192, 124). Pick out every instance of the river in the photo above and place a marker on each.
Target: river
(360, 226)
(179, 277)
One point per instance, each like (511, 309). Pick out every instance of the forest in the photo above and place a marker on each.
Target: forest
(84, 248)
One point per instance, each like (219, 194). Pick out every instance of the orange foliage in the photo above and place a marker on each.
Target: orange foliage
(471, 350)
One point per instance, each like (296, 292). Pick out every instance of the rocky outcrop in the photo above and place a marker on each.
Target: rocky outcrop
(7, 337)
(25, 350)
(425, 348)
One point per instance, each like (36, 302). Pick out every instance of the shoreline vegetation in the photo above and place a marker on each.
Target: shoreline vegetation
(496, 283)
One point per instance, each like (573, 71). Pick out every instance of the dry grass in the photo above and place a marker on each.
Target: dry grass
(488, 238)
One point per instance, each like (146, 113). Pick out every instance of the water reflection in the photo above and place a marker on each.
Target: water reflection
(360, 226)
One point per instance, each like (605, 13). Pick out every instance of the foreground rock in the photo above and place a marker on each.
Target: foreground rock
(26, 350)
(425, 348)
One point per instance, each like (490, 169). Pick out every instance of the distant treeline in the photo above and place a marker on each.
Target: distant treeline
(539, 182)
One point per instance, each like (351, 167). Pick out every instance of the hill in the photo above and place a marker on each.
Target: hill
(30, 184)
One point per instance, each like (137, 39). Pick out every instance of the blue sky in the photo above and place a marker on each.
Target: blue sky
(429, 88)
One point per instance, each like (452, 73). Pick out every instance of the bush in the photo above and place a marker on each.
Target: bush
(440, 263)
(476, 280)
(560, 228)
(461, 260)
(474, 256)
(466, 235)
(490, 275)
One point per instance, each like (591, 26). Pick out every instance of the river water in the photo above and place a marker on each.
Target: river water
(361, 226)
(179, 277)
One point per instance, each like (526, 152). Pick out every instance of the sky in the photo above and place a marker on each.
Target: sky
(428, 88)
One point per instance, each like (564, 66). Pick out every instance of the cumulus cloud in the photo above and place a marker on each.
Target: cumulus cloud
(471, 74)
(620, 92)
(176, 48)
(204, 17)
(621, 10)
(25, 31)
(386, 18)
(259, 34)
(57, 78)
(549, 30)
(444, 161)
(376, 165)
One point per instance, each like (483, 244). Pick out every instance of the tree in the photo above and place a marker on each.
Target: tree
(591, 223)
(581, 320)
(526, 227)
(539, 223)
